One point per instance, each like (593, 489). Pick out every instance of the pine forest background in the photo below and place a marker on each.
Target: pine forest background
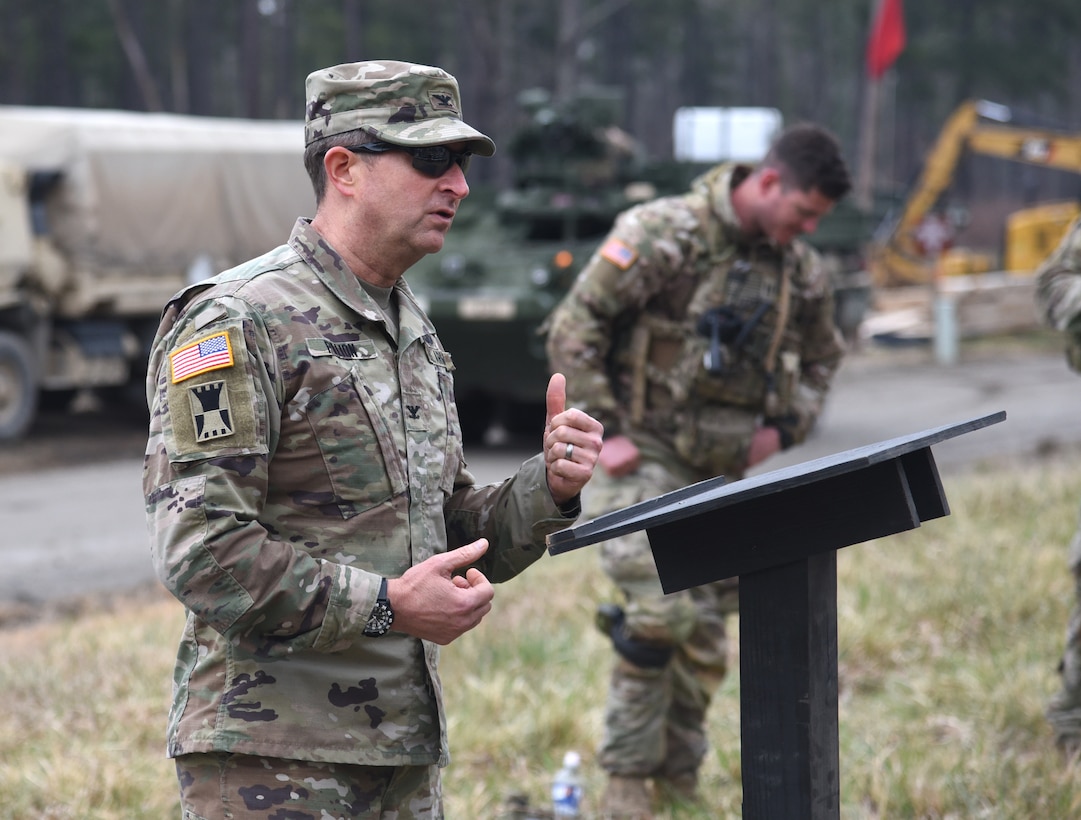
(248, 58)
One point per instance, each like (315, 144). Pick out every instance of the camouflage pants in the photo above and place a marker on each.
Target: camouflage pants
(655, 718)
(222, 786)
(1064, 709)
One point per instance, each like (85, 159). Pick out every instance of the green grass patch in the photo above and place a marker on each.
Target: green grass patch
(948, 638)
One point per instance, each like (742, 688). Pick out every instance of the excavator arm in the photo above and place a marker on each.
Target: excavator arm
(979, 127)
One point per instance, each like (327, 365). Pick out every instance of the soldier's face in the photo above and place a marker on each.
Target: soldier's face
(788, 212)
(408, 208)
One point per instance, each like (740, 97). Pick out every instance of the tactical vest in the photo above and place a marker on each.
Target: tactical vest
(702, 380)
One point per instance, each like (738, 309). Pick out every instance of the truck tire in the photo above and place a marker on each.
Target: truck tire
(18, 386)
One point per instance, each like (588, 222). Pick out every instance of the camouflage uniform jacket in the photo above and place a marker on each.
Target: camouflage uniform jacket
(1058, 291)
(295, 456)
(633, 334)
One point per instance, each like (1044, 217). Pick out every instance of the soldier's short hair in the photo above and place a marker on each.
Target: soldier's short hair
(809, 157)
(315, 151)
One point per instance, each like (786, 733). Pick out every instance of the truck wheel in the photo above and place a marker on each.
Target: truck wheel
(18, 386)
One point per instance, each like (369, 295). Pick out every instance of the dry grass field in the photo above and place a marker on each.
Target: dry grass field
(948, 639)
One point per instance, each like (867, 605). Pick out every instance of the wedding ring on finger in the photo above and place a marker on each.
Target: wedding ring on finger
(570, 452)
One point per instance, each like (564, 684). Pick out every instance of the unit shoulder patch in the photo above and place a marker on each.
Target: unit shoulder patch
(211, 405)
(211, 413)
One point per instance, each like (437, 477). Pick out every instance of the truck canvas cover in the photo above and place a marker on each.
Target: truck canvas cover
(153, 193)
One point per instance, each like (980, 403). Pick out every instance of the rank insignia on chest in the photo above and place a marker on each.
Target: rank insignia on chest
(619, 253)
(212, 353)
(210, 411)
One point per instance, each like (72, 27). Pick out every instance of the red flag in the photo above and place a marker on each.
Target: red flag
(887, 39)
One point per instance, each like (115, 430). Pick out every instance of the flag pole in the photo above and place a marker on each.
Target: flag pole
(865, 176)
(885, 42)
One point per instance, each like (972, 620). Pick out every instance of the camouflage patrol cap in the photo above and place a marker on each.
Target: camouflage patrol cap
(396, 102)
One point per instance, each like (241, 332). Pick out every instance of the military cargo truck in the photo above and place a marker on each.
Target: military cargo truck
(103, 216)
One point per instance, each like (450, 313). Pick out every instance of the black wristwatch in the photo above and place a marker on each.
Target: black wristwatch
(382, 615)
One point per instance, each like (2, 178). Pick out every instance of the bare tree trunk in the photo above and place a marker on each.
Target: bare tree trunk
(251, 64)
(455, 47)
(11, 57)
(483, 33)
(53, 73)
(178, 56)
(284, 59)
(506, 105)
(570, 24)
(354, 31)
(133, 50)
(573, 26)
(200, 49)
(765, 55)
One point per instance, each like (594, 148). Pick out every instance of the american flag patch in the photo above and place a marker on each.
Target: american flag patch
(212, 353)
(619, 253)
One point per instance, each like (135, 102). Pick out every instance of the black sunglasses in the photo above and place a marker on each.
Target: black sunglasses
(430, 160)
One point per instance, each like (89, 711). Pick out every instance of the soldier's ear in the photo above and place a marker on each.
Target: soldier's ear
(768, 179)
(339, 164)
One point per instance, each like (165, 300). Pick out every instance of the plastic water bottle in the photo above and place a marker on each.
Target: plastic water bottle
(567, 787)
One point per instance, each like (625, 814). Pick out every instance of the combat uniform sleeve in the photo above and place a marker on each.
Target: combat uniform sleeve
(515, 516)
(1058, 292)
(214, 372)
(821, 349)
(1058, 281)
(640, 256)
(579, 338)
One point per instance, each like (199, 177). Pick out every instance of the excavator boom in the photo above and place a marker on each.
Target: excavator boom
(978, 127)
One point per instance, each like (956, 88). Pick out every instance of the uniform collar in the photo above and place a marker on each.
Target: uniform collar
(716, 185)
(332, 271)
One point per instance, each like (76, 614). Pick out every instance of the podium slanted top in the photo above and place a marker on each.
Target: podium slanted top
(716, 493)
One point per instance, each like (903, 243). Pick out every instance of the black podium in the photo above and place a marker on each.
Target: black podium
(780, 532)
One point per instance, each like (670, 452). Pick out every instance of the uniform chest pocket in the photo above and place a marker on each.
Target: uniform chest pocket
(453, 453)
(345, 412)
(431, 419)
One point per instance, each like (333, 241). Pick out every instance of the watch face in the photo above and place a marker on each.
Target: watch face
(380, 620)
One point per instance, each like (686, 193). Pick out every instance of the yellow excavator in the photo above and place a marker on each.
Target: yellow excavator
(909, 249)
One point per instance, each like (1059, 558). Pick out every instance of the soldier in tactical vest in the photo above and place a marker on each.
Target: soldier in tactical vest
(1058, 299)
(701, 335)
(306, 492)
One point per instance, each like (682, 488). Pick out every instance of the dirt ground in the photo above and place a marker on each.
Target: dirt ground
(87, 433)
(74, 536)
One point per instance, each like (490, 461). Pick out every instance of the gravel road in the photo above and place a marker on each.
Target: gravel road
(71, 505)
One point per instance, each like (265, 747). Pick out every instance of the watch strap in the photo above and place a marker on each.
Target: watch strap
(382, 615)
